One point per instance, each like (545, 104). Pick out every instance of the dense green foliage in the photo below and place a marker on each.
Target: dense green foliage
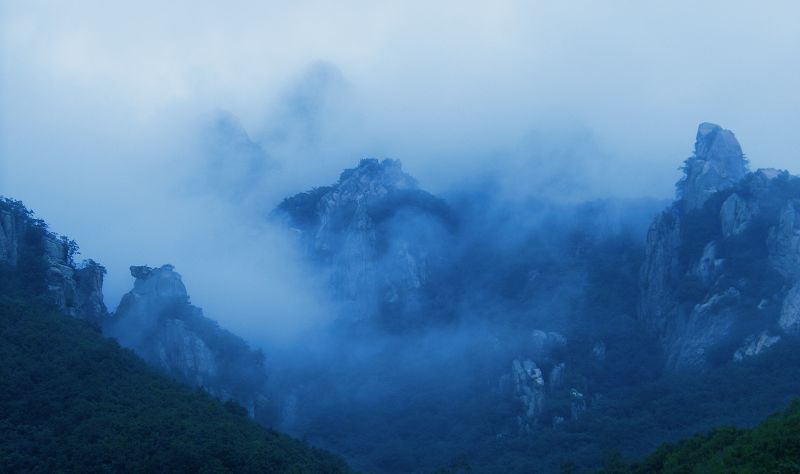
(74, 401)
(771, 447)
(635, 420)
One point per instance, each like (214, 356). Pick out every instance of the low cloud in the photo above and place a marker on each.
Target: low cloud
(102, 109)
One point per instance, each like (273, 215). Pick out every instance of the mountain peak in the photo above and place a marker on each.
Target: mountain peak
(717, 163)
(716, 143)
(161, 282)
(376, 175)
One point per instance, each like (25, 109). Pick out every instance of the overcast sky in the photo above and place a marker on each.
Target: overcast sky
(101, 104)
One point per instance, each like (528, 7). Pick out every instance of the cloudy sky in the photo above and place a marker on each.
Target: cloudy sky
(102, 104)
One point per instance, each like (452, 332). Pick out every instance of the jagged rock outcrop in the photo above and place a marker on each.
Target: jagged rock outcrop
(529, 388)
(76, 289)
(529, 385)
(577, 404)
(158, 322)
(736, 214)
(379, 235)
(755, 345)
(718, 163)
(719, 262)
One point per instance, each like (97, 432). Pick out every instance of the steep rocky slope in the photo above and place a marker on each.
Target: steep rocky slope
(720, 276)
(156, 320)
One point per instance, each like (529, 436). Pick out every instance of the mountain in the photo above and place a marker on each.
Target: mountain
(567, 331)
(158, 322)
(500, 336)
(720, 275)
(72, 400)
(381, 238)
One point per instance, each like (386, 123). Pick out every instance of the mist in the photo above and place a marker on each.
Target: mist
(102, 108)
(548, 135)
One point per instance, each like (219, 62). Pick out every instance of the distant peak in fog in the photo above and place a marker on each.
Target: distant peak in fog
(235, 163)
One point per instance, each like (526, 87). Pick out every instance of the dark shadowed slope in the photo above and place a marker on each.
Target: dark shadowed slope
(71, 400)
(773, 446)
(74, 401)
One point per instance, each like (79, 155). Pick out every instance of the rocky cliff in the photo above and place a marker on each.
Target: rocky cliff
(538, 383)
(720, 275)
(717, 163)
(378, 234)
(156, 320)
(48, 260)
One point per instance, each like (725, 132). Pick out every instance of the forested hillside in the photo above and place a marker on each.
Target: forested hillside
(74, 401)
(773, 446)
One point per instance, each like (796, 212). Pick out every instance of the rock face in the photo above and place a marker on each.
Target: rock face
(156, 320)
(660, 270)
(156, 292)
(784, 240)
(577, 404)
(12, 227)
(77, 290)
(379, 235)
(720, 261)
(529, 388)
(718, 163)
(736, 215)
(755, 345)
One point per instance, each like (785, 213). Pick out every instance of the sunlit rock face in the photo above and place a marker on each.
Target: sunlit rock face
(378, 235)
(156, 320)
(76, 289)
(720, 262)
